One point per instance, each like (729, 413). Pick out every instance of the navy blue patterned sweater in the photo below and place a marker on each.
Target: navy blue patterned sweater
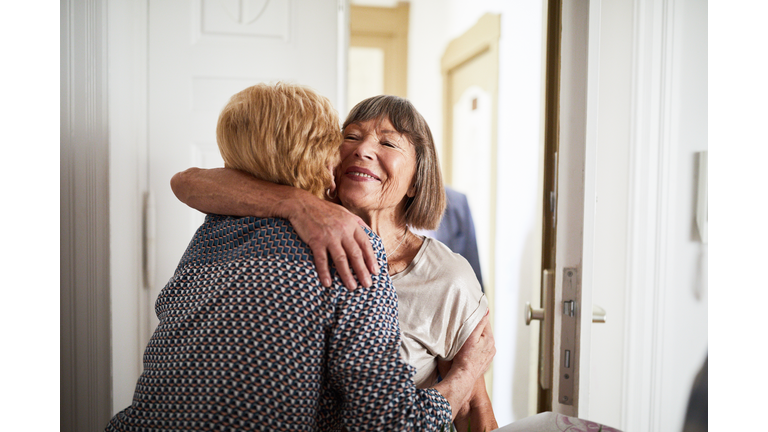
(249, 339)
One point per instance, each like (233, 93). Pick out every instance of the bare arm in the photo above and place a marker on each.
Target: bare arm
(460, 383)
(327, 228)
(477, 413)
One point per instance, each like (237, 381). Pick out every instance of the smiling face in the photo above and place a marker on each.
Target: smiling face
(375, 176)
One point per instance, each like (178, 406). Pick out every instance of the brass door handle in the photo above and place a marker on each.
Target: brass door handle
(532, 314)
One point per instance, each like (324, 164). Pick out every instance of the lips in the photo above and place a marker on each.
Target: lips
(360, 174)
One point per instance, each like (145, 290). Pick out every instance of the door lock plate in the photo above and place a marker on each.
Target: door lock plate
(568, 328)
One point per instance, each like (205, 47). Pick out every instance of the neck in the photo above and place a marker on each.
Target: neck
(392, 236)
(400, 244)
(385, 223)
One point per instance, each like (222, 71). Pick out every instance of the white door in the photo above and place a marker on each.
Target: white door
(567, 310)
(201, 52)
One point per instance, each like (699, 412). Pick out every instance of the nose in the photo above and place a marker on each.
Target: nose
(366, 147)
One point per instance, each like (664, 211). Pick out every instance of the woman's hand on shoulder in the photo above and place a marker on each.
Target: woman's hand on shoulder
(331, 230)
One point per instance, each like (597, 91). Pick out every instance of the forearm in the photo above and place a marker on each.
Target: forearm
(456, 388)
(327, 228)
(478, 412)
(235, 193)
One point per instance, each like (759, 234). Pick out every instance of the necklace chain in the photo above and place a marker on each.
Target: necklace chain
(399, 244)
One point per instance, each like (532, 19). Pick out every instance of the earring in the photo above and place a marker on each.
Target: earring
(328, 194)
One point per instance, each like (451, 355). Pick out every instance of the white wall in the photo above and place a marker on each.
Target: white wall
(433, 24)
(685, 337)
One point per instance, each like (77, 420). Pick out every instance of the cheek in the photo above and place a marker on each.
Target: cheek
(404, 173)
(344, 150)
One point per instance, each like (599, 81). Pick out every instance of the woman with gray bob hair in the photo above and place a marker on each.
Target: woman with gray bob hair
(426, 208)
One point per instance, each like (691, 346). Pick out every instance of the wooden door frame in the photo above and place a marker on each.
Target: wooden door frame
(549, 169)
(571, 126)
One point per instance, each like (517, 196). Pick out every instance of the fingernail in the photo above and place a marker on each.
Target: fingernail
(326, 282)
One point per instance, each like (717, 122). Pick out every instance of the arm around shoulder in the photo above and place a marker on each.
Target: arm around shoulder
(235, 193)
(327, 228)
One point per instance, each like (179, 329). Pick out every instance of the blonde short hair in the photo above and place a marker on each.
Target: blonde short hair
(282, 133)
(425, 209)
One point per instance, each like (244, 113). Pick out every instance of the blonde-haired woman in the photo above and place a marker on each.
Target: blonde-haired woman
(249, 339)
(389, 177)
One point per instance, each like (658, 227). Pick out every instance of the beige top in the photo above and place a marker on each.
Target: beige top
(440, 302)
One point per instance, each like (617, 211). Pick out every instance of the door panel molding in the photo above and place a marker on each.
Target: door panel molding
(651, 150)
(481, 38)
(127, 33)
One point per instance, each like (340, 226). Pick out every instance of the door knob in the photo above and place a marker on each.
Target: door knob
(532, 314)
(598, 314)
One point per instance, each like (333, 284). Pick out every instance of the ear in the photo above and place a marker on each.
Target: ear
(411, 191)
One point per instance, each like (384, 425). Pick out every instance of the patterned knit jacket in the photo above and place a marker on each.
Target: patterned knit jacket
(249, 339)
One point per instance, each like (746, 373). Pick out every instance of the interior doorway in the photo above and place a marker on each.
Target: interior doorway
(470, 69)
(378, 52)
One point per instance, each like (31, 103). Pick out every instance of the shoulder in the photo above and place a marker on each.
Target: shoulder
(438, 272)
(226, 237)
(440, 262)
